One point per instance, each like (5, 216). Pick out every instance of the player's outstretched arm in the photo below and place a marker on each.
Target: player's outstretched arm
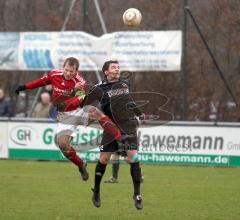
(34, 84)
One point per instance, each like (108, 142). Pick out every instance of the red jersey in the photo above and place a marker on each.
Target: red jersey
(63, 90)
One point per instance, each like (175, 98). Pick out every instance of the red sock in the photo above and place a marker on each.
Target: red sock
(72, 156)
(108, 126)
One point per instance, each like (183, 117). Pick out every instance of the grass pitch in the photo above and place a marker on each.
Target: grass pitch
(54, 190)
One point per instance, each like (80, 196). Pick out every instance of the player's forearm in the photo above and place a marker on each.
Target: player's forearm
(36, 83)
(74, 102)
(69, 104)
(95, 94)
(132, 105)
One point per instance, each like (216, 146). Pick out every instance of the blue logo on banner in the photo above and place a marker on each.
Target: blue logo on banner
(37, 59)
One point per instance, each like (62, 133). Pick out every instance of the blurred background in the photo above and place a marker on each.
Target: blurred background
(196, 93)
(203, 133)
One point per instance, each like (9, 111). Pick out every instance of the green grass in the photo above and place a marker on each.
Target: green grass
(54, 190)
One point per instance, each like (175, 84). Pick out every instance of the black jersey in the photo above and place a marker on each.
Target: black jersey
(116, 102)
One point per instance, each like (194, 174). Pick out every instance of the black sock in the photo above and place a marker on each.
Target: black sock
(99, 172)
(136, 177)
(115, 168)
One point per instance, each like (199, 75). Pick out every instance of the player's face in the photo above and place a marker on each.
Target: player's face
(69, 71)
(113, 72)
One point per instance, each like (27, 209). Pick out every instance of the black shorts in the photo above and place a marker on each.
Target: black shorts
(109, 144)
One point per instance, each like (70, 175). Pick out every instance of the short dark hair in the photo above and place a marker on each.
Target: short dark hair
(71, 61)
(107, 64)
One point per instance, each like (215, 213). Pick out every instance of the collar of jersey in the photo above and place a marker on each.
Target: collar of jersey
(106, 82)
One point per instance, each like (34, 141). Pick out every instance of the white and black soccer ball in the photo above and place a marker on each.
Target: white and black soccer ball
(132, 17)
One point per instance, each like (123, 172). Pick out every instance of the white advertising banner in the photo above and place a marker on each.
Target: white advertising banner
(190, 140)
(31, 135)
(159, 139)
(3, 140)
(43, 135)
(135, 50)
(196, 145)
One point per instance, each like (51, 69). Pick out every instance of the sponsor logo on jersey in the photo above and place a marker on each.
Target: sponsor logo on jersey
(117, 92)
(63, 91)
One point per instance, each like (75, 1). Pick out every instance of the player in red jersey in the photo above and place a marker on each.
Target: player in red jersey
(68, 93)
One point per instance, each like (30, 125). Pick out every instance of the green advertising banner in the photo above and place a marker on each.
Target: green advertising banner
(166, 144)
(157, 158)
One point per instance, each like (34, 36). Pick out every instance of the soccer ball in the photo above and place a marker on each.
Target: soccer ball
(132, 17)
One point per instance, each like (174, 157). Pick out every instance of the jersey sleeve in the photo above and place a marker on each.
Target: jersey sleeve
(82, 81)
(136, 110)
(94, 95)
(72, 103)
(45, 80)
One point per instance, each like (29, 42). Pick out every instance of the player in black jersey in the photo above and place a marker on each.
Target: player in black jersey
(114, 97)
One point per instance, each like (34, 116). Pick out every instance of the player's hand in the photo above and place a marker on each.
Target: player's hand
(142, 117)
(20, 88)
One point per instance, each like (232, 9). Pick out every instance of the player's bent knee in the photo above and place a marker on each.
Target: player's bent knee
(133, 158)
(103, 161)
(89, 109)
(96, 114)
(99, 114)
(104, 158)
